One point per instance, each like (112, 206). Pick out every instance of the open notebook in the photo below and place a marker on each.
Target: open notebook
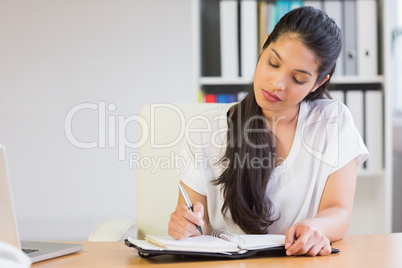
(219, 243)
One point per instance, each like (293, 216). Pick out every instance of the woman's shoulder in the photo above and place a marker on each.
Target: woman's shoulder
(327, 108)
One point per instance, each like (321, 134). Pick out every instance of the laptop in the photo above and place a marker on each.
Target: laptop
(36, 251)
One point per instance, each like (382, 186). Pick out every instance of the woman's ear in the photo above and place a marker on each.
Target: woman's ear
(318, 85)
(266, 38)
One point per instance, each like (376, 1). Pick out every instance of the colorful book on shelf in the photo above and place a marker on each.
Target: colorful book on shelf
(226, 98)
(210, 98)
(295, 4)
(232, 98)
(220, 98)
(281, 8)
(201, 96)
(277, 11)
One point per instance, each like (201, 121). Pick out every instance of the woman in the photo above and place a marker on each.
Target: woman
(289, 153)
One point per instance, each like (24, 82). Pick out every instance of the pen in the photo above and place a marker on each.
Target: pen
(188, 203)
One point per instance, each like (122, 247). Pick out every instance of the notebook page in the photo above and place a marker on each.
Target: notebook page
(204, 243)
(262, 241)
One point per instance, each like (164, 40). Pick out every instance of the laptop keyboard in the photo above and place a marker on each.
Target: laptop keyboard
(27, 250)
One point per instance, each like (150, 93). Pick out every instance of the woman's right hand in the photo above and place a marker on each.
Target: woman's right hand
(182, 221)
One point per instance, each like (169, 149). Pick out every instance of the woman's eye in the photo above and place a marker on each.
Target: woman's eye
(273, 65)
(298, 82)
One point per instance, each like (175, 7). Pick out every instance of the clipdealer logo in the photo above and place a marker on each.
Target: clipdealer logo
(112, 133)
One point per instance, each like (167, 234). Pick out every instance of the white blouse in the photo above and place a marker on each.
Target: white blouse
(326, 139)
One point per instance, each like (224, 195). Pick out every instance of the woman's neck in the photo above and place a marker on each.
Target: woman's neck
(282, 117)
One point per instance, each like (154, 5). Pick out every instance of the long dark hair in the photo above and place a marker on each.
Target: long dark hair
(243, 183)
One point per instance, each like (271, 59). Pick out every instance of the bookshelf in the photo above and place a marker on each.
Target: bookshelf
(373, 201)
(217, 80)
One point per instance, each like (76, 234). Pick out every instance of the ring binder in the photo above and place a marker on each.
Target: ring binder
(230, 237)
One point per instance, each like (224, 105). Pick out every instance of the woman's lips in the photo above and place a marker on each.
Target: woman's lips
(271, 97)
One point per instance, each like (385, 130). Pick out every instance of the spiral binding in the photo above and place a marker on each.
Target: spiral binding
(230, 237)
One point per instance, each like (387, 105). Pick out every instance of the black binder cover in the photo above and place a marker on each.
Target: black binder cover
(145, 253)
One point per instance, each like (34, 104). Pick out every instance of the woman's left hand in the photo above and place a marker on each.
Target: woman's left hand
(304, 238)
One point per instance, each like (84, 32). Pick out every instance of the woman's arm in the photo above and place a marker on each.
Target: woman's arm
(313, 236)
(182, 220)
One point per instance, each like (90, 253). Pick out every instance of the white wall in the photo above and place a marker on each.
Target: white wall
(56, 54)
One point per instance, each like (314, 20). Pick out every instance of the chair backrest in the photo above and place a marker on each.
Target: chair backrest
(160, 136)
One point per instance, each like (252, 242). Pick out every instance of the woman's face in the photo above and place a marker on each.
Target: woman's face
(286, 72)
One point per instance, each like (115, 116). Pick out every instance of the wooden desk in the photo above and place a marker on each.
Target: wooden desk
(356, 251)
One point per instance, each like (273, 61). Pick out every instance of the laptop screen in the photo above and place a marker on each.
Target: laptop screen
(8, 224)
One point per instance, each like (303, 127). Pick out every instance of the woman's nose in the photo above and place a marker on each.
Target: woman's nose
(279, 82)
